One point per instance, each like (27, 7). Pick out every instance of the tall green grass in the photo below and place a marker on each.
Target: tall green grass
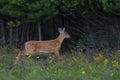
(72, 67)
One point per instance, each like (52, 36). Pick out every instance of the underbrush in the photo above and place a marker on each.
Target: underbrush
(73, 66)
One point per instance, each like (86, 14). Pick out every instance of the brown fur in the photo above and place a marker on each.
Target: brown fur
(49, 46)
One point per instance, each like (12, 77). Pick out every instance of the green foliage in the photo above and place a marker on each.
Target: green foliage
(5, 49)
(11, 24)
(71, 68)
(35, 9)
(111, 5)
(30, 9)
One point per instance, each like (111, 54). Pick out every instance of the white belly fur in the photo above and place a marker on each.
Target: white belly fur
(45, 51)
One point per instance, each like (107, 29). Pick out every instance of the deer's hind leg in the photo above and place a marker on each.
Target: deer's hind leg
(18, 57)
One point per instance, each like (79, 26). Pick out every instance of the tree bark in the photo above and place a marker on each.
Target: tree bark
(3, 33)
(11, 37)
(39, 31)
(22, 35)
(16, 36)
(28, 33)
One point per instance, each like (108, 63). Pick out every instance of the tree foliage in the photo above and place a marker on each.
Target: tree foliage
(27, 9)
(31, 9)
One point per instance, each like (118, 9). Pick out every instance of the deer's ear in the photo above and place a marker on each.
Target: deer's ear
(59, 29)
(63, 29)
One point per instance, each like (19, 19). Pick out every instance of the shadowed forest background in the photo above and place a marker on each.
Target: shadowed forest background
(92, 52)
(91, 23)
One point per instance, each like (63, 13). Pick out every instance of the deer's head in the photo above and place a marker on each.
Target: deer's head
(63, 33)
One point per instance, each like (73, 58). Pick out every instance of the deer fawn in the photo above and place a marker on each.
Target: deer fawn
(48, 46)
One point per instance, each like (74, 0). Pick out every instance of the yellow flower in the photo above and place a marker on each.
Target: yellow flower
(105, 62)
(83, 73)
(50, 57)
(16, 57)
(115, 63)
(37, 57)
(29, 56)
(98, 58)
(74, 59)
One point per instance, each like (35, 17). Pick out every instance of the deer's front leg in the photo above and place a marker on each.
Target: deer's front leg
(57, 55)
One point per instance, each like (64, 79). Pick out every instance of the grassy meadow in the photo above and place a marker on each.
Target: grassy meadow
(73, 66)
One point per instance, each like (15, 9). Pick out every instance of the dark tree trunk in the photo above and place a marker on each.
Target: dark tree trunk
(39, 31)
(22, 35)
(16, 36)
(3, 33)
(28, 33)
(11, 37)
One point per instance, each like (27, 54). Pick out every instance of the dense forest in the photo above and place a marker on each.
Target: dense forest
(91, 23)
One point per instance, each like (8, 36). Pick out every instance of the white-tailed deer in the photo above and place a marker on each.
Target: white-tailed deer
(48, 46)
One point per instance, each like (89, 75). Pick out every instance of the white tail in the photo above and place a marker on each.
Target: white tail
(48, 46)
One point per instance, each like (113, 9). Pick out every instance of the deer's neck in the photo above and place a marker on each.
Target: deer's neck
(60, 38)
